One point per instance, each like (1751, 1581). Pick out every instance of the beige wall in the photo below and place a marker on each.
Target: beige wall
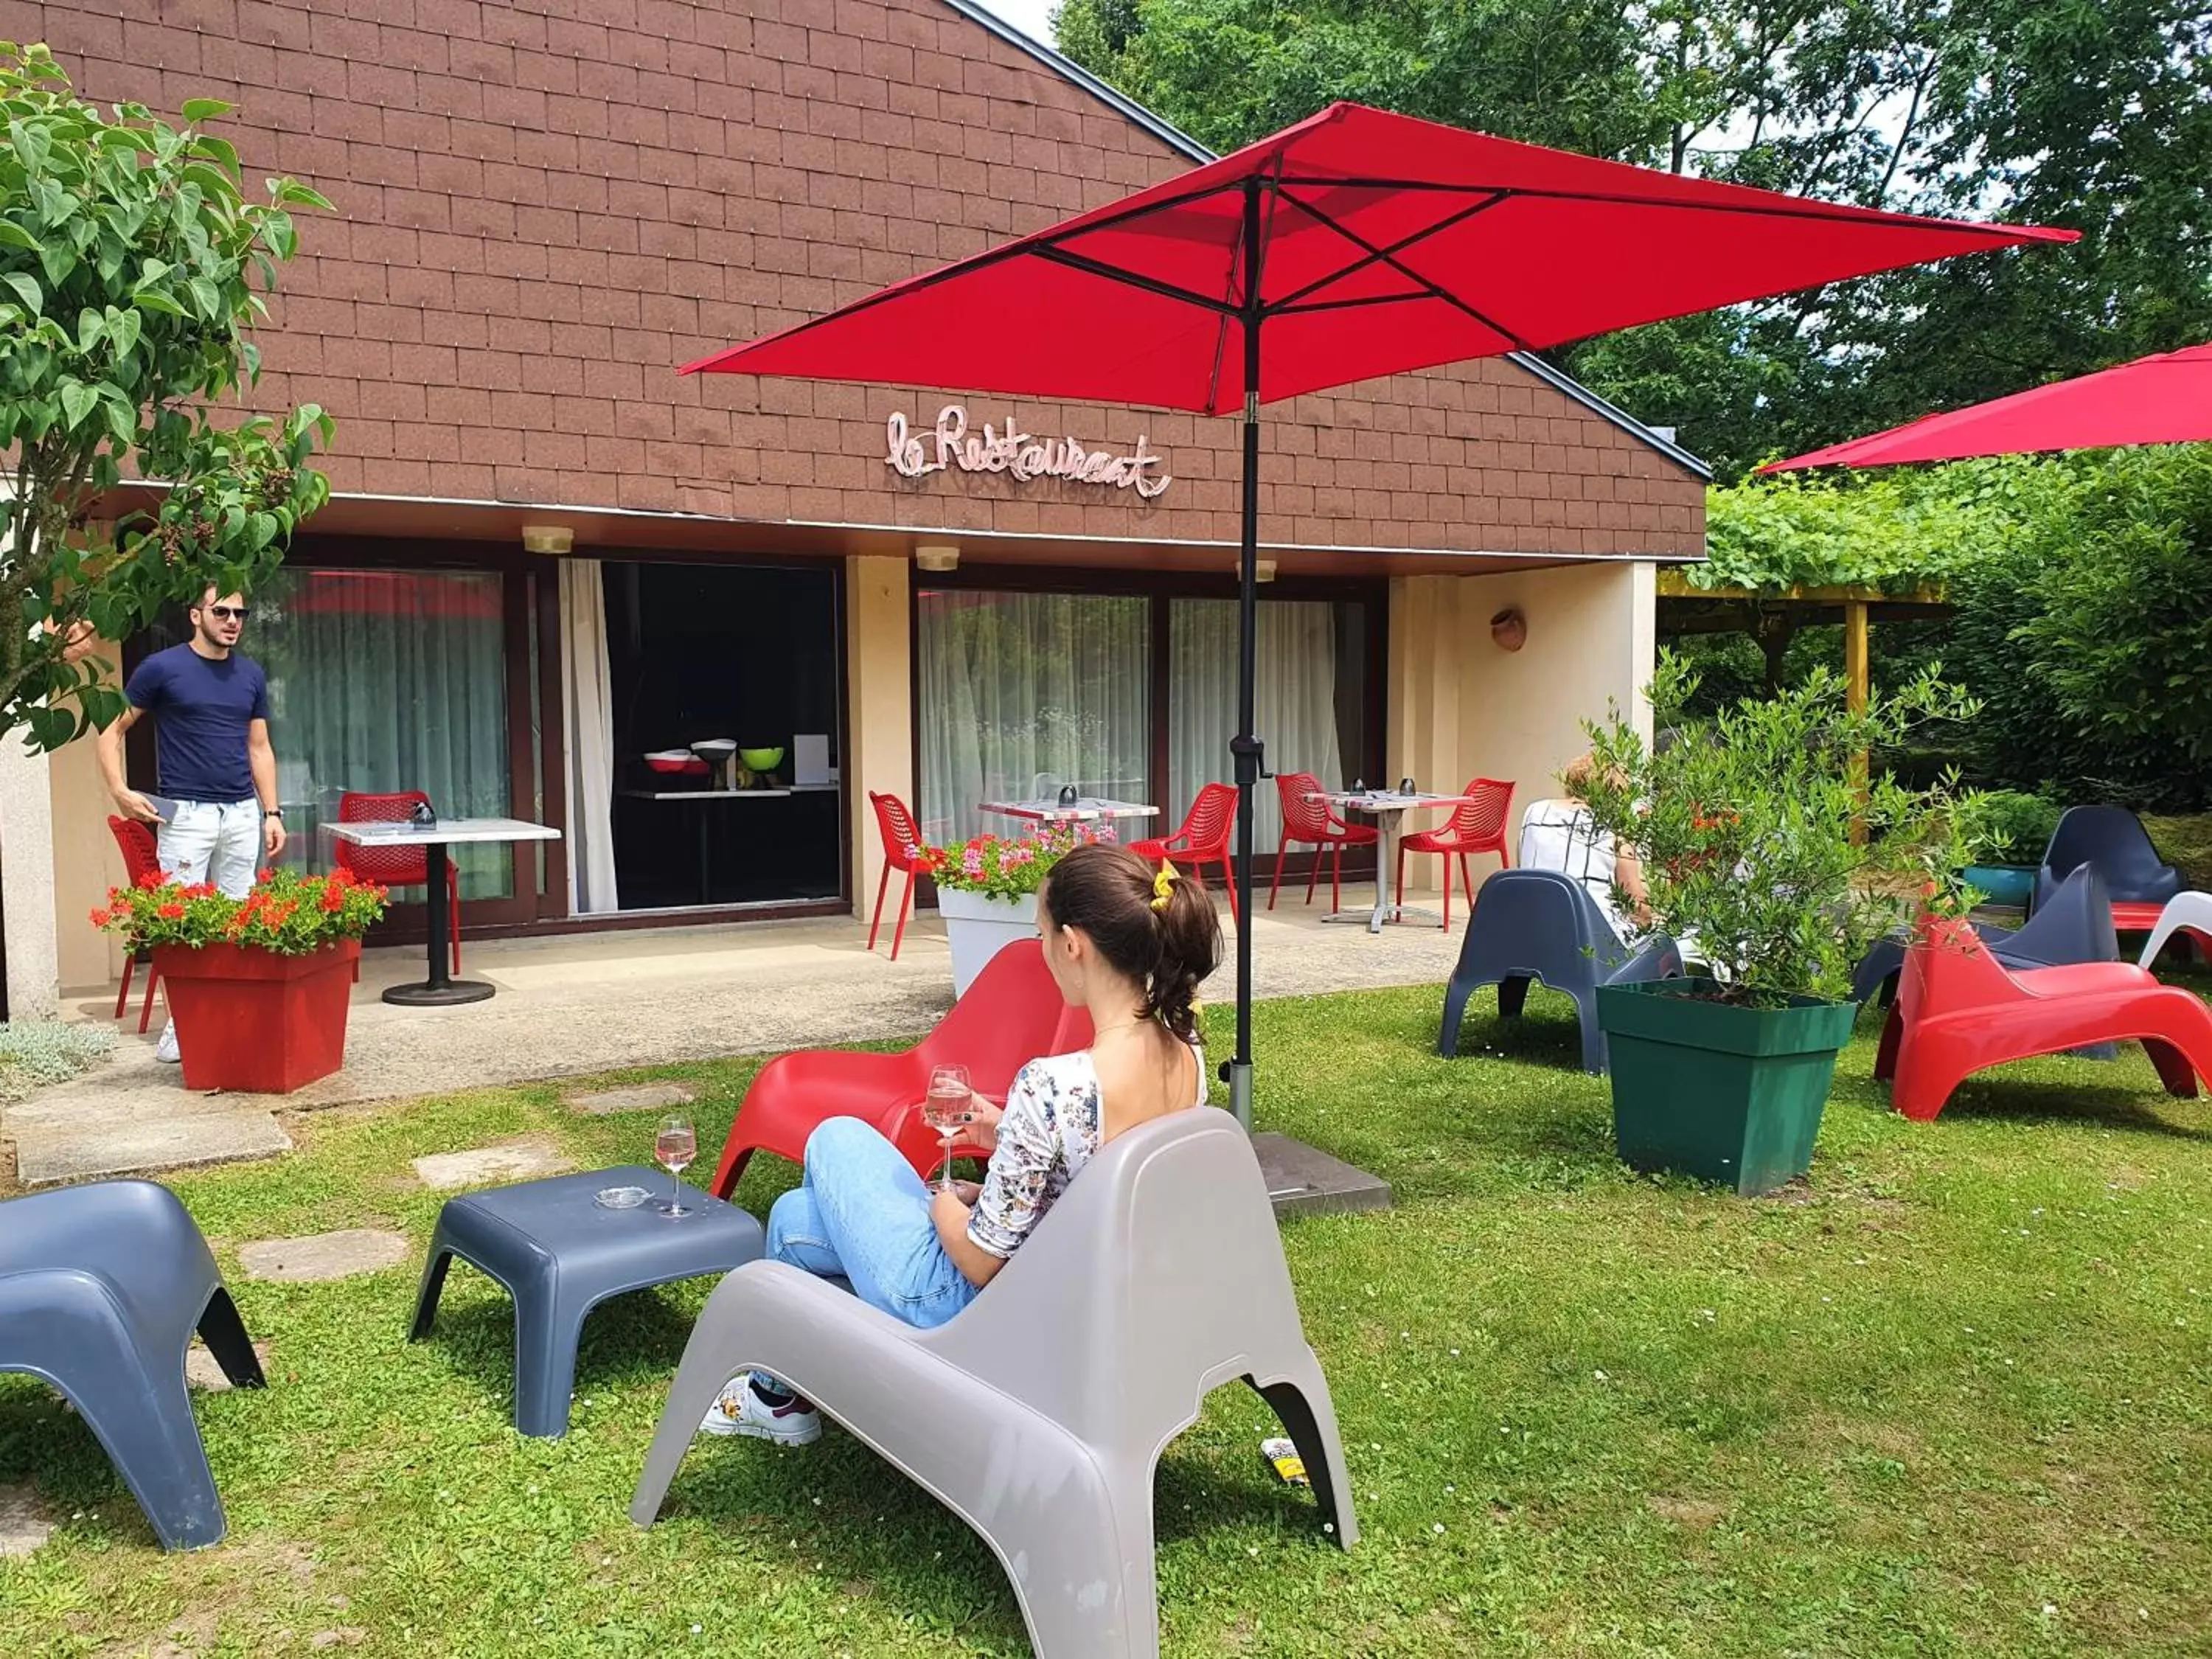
(1460, 708)
(879, 712)
(86, 864)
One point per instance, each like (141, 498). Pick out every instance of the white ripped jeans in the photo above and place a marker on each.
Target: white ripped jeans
(208, 840)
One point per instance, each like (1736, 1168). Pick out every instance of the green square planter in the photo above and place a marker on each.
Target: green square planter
(1723, 1093)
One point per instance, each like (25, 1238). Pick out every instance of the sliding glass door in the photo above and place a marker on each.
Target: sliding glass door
(1021, 693)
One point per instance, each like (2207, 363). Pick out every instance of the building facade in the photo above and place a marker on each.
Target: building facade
(543, 207)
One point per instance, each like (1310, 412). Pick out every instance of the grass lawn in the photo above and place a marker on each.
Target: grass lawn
(1951, 1399)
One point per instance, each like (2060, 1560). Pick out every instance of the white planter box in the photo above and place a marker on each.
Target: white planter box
(978, 928)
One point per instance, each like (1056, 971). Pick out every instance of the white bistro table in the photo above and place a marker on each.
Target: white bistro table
(1086, 809)
(440, 990)
(1386, 807)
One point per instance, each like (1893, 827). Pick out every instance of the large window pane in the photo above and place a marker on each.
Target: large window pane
(383, 680)
(1309, 706)
(1021, 693)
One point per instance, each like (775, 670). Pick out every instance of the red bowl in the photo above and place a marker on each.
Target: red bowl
(686, 767)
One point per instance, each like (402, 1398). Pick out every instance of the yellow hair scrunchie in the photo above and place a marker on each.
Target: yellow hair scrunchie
(1163, 885)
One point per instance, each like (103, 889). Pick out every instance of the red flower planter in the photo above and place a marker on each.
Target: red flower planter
(250, 1020)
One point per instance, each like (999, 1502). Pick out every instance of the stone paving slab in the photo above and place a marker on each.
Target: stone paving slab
(637, 1098)
(202, 1372)
(25, 1523)
(493, 1166)
(321, 1256)
(49, 1152)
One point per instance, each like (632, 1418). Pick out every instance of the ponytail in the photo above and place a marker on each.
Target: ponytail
(1156, 926)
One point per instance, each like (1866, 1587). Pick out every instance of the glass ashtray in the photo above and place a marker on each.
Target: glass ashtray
(620, 1198)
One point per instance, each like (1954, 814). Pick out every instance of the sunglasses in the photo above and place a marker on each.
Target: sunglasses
(226, 612)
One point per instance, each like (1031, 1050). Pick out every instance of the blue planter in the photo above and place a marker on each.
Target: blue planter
(2005, 884)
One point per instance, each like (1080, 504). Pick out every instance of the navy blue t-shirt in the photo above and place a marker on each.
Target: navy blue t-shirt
(201, 710)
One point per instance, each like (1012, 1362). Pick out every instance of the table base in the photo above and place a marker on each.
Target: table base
(1393, 914)
(451, 994)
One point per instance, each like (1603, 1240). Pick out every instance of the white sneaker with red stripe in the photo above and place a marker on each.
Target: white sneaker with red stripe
(740, 1410)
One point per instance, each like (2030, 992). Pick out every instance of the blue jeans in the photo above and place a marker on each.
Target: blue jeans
(862, 1215)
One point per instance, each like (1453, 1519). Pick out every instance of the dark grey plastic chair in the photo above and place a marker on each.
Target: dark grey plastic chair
(1037, 1414)
(2112, 840)
(560, 1255)
(100, 1290)
(2075, 924)
(1544, 926)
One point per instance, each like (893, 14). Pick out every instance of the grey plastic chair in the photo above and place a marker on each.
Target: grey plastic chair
(1037, 1415)
(2185, 913)
(100, 1290)
(2113, 839)
(1543, 925)
(560, 1255)
(2075, 924)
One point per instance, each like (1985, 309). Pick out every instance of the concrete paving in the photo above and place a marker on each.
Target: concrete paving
(323, 1256)
(25, 1523)
(492, 1166)
(577, 1004)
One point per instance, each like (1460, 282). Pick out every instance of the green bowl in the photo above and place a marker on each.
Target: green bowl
(761, 759)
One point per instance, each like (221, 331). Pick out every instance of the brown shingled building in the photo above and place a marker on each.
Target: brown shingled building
(544, 206)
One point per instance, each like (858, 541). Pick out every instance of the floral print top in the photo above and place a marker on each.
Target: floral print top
(1054, 1122)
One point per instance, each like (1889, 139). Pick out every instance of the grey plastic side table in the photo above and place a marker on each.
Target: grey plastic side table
(560, 1255)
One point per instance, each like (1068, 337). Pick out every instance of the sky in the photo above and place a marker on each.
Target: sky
(1032, 17)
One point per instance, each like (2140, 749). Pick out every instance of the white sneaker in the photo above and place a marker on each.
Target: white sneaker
(166, 1049)
(740, 1411)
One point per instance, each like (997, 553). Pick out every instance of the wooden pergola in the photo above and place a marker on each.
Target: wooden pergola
(1773, 619)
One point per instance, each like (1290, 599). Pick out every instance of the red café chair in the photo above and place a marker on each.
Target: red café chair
(1477, 825)
(141, 855)
(1204, 837)
(901, 851)
(1012, 1013)
(395, 867)
(1305, 819)
(1959, 1009)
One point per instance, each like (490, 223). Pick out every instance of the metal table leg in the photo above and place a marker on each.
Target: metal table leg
(440, 990)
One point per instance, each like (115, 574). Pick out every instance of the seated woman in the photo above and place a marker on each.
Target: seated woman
(1126, 943)
(1558, 835)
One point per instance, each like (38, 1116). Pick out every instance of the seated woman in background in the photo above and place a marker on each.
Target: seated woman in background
(1558, 835)
(1125, 942)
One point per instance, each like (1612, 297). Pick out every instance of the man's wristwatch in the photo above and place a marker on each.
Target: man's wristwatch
(276, 813)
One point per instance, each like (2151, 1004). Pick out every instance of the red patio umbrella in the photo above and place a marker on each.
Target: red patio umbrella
(1352, 245)
(2161, 399)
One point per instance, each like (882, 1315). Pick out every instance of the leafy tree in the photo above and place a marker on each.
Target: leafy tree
(127, 247)
(2099, 119)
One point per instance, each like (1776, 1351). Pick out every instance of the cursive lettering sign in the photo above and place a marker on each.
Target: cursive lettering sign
(1015, 451)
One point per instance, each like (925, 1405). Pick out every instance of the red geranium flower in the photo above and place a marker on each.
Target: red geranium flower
(151, 880)
(101, 918)
(171, 912)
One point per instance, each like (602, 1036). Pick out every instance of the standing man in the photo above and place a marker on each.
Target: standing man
(211, 744)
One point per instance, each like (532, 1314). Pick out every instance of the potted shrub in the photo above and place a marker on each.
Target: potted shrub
(1766, 850)
(987, 891)
(1999, 827)
(259, 986)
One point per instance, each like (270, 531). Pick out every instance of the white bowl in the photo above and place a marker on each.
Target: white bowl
(715, 748)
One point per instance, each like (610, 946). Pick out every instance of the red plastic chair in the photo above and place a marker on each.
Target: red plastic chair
(1204, 837)
(1305, 819)
(395, 867)
(1012, 1014)
(1477, 825)
(1959, 1009)
(141, 854)
(901, 851)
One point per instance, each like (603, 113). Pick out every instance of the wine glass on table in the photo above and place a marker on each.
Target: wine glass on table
(949, 1106)
(675, 1144)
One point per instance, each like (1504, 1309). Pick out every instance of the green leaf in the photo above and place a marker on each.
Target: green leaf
(91, 326)
(77, 401)
(124, 330)
(122, 419)
(277, 230)
(290, 192)
(154, 299)
(14, 235)
(224, 154)
(204, 109)
(207, 298)
(27, 288)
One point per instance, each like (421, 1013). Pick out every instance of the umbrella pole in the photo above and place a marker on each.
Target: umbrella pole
(1245, 747)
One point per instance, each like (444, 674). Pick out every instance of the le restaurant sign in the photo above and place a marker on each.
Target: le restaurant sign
(1019, 454)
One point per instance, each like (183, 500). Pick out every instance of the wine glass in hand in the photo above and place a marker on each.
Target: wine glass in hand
(674, 1145)
(951, 1105)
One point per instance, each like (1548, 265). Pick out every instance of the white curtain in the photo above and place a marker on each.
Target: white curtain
(587, 700)
(1295, 705)
(1024, 692)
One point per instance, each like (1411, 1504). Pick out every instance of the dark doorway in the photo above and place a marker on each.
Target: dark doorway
(746, 653)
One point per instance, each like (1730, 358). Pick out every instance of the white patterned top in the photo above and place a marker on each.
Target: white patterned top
(1054, 1121)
